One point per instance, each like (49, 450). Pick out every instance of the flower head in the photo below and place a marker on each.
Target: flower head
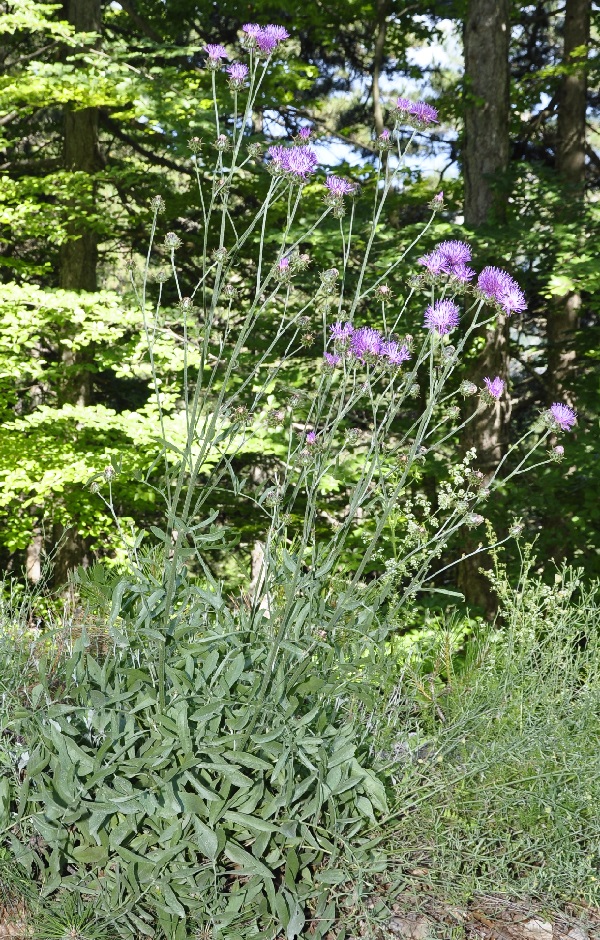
(264, 38)
(311, 437)
(494, 387)
(455, 252)
(297, 162)
(216, 51)
(366, 342)
(384, 141)
(339, 187)
(383, 291)
(442, 317)
(449, 257)
(172, 241)
(562, 416)
(305, 133)
(278, 156)
(467, 388)
(341, 332)
(237, 72)
(395, 353)
(332, 360)
(424, 113)
(416, 112)
(499, 287)
(434, 262)
(301, 162)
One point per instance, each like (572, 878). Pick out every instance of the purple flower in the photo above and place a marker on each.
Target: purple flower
(455, 252)
(434, 262)
(395, 353)
(297, 161)
(339, 187)
(284, 264)
(502, 289)
(301, 161)
(451, 258)
(424, 113)
(332, 359)
(267, 38)
(341, 332)
(278, 33)
(305, 134)
(494, 387)
(462, 272)
(563, 416)
(216, 51)
(311, 437)
(366, 342)
(512, 299)
(385, 134)
(237, 72)
(442, 316)
(278, 155)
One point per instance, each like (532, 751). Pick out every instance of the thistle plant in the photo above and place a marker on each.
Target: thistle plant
(237, 717)
(368, 364)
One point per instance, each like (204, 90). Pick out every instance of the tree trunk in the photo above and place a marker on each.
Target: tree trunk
(382, 6)
(485, 161)
(570, 163)
(78, 268)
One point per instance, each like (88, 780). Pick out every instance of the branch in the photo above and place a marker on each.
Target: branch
(140, 22)
(594, 158)
(7, 118)
(115, 129)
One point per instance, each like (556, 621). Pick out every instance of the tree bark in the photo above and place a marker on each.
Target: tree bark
(485, 161)
(78, 268)
(382, 6)
(570, 162)
(487, 102)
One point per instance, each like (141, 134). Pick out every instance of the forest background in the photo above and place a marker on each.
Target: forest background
(98, 102)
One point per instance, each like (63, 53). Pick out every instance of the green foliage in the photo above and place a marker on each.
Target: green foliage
(492, 747)
(228, 806)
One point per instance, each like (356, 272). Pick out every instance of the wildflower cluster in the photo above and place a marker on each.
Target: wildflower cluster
(263, 39)
(365, 345)
(415, 113)
(448, 263)
(449, 258)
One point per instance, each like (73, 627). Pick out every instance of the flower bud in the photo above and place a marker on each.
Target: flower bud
(172, 241)
(157, 204)
(467, 388)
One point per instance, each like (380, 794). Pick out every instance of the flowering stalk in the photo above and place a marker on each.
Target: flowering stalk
(375, 373)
